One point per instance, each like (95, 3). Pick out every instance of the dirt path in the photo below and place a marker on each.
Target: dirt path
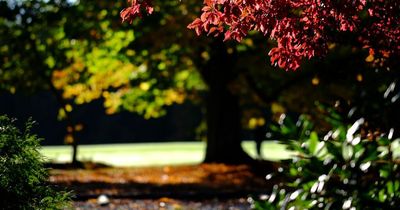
(167, 204)
(205, 186)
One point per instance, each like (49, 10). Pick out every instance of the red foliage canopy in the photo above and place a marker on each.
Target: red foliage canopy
(135, 10)
(301, 28)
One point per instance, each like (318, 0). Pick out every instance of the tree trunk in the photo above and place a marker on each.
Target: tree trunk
(224, 128)
(222, 110)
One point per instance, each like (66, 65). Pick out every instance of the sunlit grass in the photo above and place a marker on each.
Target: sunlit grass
(150, 154)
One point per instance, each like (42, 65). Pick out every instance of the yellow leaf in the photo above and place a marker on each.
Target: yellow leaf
(359, 77)
(68, 108)
(252, 123)
(69, 139)
(331, 46)
(205, 55)
(370, 58)
(61, 114)
(70, 129)
(315, 81)
(144, 86)
(260, 122)
(12, 90)
(277, 108)
(78, 127)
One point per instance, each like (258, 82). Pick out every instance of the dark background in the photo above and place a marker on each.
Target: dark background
(179, 123)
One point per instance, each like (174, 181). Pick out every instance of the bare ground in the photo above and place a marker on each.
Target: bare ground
(204, 186)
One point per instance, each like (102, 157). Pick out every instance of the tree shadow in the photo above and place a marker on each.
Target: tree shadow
(204, 181)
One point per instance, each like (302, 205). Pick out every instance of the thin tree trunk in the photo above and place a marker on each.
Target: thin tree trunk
(60, 101)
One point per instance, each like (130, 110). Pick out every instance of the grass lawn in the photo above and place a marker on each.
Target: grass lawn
(152, 154)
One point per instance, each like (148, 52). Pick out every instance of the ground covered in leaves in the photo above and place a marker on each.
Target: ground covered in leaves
(205, 186)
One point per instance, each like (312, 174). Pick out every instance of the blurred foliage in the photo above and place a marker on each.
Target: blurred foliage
(28, 52)
(348, 166)
(131, 70)
(23, 178)
(85, 53)
(266, 92)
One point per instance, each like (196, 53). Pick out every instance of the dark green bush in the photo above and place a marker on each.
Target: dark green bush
(23, 178)
(344, 168)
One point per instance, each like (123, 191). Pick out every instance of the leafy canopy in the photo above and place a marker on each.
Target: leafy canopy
(85, 55)
(301, 28)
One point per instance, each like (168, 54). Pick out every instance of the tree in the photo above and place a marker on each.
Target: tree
(155, 57)
(68, 58)
(152, 89)
(160, 63)
(30, 54)
(153, 48)
(301, 29)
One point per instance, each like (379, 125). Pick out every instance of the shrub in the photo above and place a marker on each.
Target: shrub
(345, 168)
(23, 178)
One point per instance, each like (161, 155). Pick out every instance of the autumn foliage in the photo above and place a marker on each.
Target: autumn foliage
(301, 28)
(130, 13)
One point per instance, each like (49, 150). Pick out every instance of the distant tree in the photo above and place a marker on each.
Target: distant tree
(85, 55)
(33, 45)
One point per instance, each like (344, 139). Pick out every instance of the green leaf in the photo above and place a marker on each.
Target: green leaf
(313, 142)
(347, 151)
(334, 150)
(382, 196)
(396, 185)
(358, 151)
(383, 141)
(390, 188)
(383, 173)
